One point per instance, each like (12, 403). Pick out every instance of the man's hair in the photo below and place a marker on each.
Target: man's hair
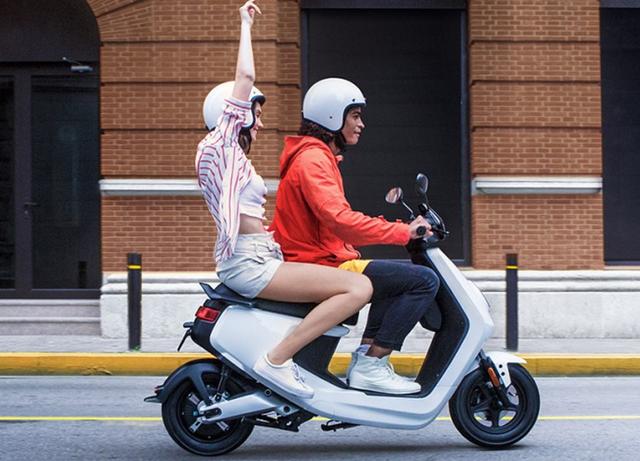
(312, 129)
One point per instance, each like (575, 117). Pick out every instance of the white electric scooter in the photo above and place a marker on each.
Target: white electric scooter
(210, 406)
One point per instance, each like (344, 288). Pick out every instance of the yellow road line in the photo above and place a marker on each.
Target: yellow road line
(317, 418)
(590, 418)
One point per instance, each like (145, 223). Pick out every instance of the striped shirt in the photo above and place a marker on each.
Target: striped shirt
(223, 171)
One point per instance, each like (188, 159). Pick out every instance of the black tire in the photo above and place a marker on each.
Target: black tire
(179, 415)
(475, 413)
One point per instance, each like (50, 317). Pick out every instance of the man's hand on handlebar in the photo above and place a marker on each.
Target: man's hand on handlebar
(419, 228)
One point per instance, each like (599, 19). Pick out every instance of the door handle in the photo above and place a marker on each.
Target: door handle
(27, 206)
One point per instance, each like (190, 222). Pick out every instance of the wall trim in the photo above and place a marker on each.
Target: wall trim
(619, 3)
(161, 187)
(486, 280)
(490, 185)
(384, 4)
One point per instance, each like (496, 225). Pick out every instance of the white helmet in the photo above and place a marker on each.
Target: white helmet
(327, 102)
(214, 102)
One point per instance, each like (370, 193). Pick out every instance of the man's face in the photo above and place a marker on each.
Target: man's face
(353, 126)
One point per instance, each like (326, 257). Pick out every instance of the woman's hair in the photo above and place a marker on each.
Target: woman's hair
(312, 129)
(244, 140)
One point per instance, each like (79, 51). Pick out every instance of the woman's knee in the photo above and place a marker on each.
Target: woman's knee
(361, 289)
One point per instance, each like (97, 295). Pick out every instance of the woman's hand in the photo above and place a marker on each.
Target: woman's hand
(248, 11)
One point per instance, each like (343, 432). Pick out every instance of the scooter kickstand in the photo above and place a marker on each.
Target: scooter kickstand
(333, 425)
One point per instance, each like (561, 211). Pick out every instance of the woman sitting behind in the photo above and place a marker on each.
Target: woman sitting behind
(248, 259)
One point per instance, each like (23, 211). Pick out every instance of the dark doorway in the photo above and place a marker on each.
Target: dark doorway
(7, 181)
(620, 45)
(410, 65)
(49, 151)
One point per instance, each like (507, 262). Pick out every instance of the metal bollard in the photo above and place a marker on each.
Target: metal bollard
(134, 289)
(512, 302)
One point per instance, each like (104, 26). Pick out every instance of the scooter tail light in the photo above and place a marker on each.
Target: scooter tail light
(207, 314)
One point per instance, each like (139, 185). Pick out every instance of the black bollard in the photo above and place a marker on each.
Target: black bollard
(134, 288)
(512, 301)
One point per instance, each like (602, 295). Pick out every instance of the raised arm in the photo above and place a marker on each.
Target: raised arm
(245, 69)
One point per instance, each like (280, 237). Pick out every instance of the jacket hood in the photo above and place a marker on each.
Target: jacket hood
(295, 145)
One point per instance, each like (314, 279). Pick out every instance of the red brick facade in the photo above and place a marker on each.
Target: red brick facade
(159, 59)
(174, 229)
(535, 110)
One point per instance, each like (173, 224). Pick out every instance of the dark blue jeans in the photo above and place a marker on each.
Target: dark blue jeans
(402, 294)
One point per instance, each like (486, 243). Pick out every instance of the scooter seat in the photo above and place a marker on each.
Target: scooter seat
(226, 294)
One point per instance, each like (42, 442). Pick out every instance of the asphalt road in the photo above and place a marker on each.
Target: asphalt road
(49, 418)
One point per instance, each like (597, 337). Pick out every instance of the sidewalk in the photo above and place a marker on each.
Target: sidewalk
(96, 355)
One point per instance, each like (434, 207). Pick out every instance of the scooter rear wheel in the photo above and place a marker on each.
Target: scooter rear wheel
(477, 414)
(180, 418)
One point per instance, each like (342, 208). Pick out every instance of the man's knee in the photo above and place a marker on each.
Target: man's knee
(426, 279)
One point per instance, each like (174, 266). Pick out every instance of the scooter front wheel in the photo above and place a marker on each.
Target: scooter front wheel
(183, 423)
(481, 418)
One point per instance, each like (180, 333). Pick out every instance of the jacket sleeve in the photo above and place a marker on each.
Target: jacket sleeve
(322, 191)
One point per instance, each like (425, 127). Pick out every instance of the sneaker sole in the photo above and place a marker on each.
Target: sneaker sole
(385, 391)
(267, 382)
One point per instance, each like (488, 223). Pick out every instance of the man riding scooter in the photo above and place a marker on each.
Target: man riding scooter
(314, 223)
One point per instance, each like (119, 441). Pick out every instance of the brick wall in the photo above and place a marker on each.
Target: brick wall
(171, 233)
(547, 231)
(535, 110)
(159, 59)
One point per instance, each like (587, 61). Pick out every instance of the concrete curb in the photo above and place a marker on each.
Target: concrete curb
(159, 364)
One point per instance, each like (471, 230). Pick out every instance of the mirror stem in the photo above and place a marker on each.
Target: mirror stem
(412, 217)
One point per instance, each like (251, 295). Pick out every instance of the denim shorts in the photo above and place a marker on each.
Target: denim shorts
(254, 262)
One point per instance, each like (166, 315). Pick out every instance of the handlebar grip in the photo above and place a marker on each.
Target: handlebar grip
(421, 230)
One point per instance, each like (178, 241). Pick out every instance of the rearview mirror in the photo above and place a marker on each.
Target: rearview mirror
(422, 184)
(394, 195)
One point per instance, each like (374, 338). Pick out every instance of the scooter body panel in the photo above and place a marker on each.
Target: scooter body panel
(475, 308)
(243, 334)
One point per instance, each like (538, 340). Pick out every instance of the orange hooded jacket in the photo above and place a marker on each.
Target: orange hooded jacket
(313, 221)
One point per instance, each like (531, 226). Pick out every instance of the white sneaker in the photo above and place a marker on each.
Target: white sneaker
(287, 376)
(393, 370)
(361, 350)
(374, 374)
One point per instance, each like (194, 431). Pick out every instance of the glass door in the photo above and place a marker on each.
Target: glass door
(7, 213)
(49, 189)
(64, 187)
